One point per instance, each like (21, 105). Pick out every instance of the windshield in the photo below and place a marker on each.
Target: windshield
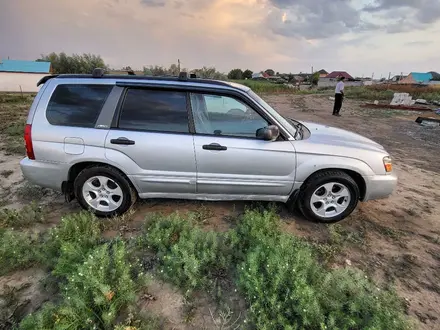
(288, 126)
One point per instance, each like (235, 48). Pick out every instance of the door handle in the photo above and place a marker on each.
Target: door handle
(122, 140)
(214, 146)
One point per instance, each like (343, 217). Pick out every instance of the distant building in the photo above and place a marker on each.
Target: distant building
(417, 78)
(260, 75)
(322, 73)
(339, 74)
(16, 76)
(435, 75)
(398, 78)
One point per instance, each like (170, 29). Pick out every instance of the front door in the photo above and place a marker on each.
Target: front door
(152, 141)
(231, 161)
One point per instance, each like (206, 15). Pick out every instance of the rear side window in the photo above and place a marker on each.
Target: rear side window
(77, 105)
(152, 110)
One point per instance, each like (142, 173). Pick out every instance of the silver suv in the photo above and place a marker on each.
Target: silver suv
(108, 140)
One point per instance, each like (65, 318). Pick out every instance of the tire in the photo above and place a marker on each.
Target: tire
(97, 189)
(328, 196)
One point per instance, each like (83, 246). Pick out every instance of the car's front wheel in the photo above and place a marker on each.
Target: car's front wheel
(104, 191)
(329, 196)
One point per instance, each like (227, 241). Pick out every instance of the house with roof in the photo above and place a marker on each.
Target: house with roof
(332, 79)
(322, 73)
(417, 78)
(260, 75)
(435, 75)
(339, 74)
(22, 76)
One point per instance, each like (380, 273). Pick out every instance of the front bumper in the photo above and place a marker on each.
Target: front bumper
(380, 186)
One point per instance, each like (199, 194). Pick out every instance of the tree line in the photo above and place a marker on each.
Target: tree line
(85, 63)
(62, 63)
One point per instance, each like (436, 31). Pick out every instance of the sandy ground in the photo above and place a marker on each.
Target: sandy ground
(397, 240)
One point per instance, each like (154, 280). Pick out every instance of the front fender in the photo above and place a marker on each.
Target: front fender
(307, 164)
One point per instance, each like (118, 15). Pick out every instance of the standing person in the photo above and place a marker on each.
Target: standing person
(339, 97)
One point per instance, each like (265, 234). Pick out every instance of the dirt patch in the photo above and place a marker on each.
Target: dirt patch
(20, 294)
(197, 312)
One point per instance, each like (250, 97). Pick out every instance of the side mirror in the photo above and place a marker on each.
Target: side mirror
(268, 133)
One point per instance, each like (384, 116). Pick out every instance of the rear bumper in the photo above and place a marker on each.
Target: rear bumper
(43, 174)
(380, 186)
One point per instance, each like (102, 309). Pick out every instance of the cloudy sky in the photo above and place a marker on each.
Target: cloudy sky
(358, 36)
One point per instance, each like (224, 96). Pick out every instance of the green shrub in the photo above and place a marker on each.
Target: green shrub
(254, 227)
(350, 300)
(16, 98)
(191, 258)
(287, 289)
(17, 251)
(15, 129)
(95, 293)
(262, 86)
(14, 145)
(365, 93)
(45, 318)
(69, 243)
(27, 216)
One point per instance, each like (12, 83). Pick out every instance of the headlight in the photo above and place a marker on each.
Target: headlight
(387, 164)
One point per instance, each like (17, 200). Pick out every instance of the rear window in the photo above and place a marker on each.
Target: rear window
(77, 105)
(153, 110)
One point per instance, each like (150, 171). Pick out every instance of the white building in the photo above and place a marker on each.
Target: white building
(22, 76)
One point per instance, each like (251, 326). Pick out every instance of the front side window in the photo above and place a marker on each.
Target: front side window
(77, 105)
(224, 116)
(153, 110)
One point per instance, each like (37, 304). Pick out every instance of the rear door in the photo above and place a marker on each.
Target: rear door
(152, 130)
(230, 159)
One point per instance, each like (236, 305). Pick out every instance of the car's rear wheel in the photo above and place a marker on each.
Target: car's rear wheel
(329, 196)
(104, 191)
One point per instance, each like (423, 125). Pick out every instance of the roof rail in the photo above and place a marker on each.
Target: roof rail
(45, 79)
(100, 73)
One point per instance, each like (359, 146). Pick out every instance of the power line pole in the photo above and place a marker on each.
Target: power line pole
(178, 65)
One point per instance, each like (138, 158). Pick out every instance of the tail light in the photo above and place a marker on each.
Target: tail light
(28, 141)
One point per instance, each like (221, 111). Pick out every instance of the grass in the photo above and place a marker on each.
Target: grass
(98, 280)
(13, 111)
(261, 86)
(96, 291)
(367, 93)
(191, 258)
(18, 250)
(69, 243)
(284, 285)
(29, 192)
(386, 92)
(26, 217)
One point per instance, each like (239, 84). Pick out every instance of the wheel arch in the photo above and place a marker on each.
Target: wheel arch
(75, 169)
(357, 177)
